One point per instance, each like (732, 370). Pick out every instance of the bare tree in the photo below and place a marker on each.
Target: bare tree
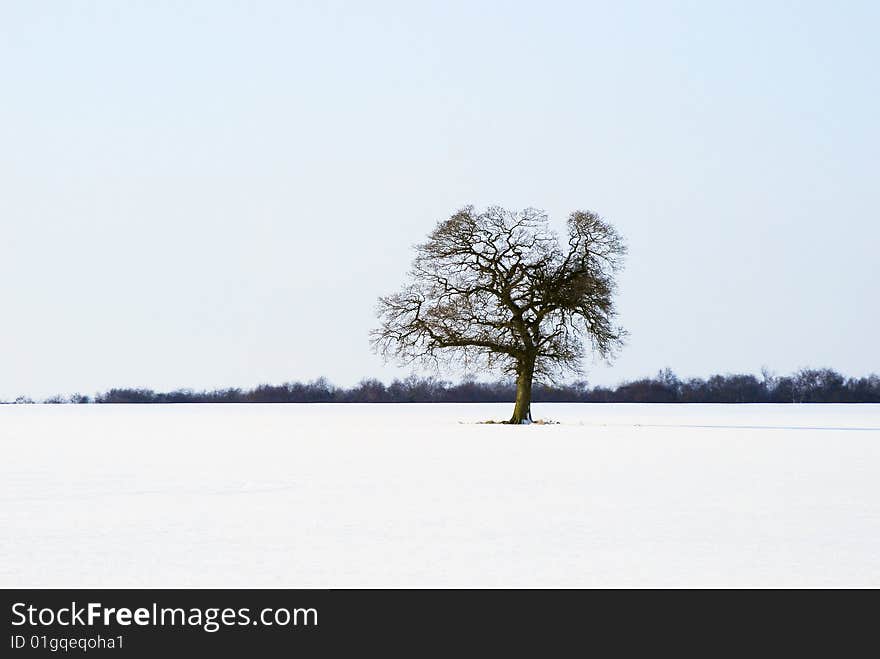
(497, 290)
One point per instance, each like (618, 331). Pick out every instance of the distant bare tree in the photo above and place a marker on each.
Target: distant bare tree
(495, 289)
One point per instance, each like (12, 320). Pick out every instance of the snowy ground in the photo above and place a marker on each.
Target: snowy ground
(408, 495)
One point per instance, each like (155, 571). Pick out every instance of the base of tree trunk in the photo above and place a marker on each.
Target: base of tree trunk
(518, 420)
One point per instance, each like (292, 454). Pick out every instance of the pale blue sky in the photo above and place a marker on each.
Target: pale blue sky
(213, 193)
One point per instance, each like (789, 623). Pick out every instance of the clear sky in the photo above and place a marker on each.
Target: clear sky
(214, 193)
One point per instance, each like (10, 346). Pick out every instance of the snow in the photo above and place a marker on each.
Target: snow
(421, 495)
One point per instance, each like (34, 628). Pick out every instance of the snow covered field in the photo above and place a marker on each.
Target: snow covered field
(408, 495)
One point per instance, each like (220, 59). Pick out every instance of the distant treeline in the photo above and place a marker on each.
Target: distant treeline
(804, 386)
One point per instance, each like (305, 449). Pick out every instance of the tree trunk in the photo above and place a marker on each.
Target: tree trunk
(522, 410)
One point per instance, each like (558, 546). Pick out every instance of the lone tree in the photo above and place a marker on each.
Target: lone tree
(497, 290)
